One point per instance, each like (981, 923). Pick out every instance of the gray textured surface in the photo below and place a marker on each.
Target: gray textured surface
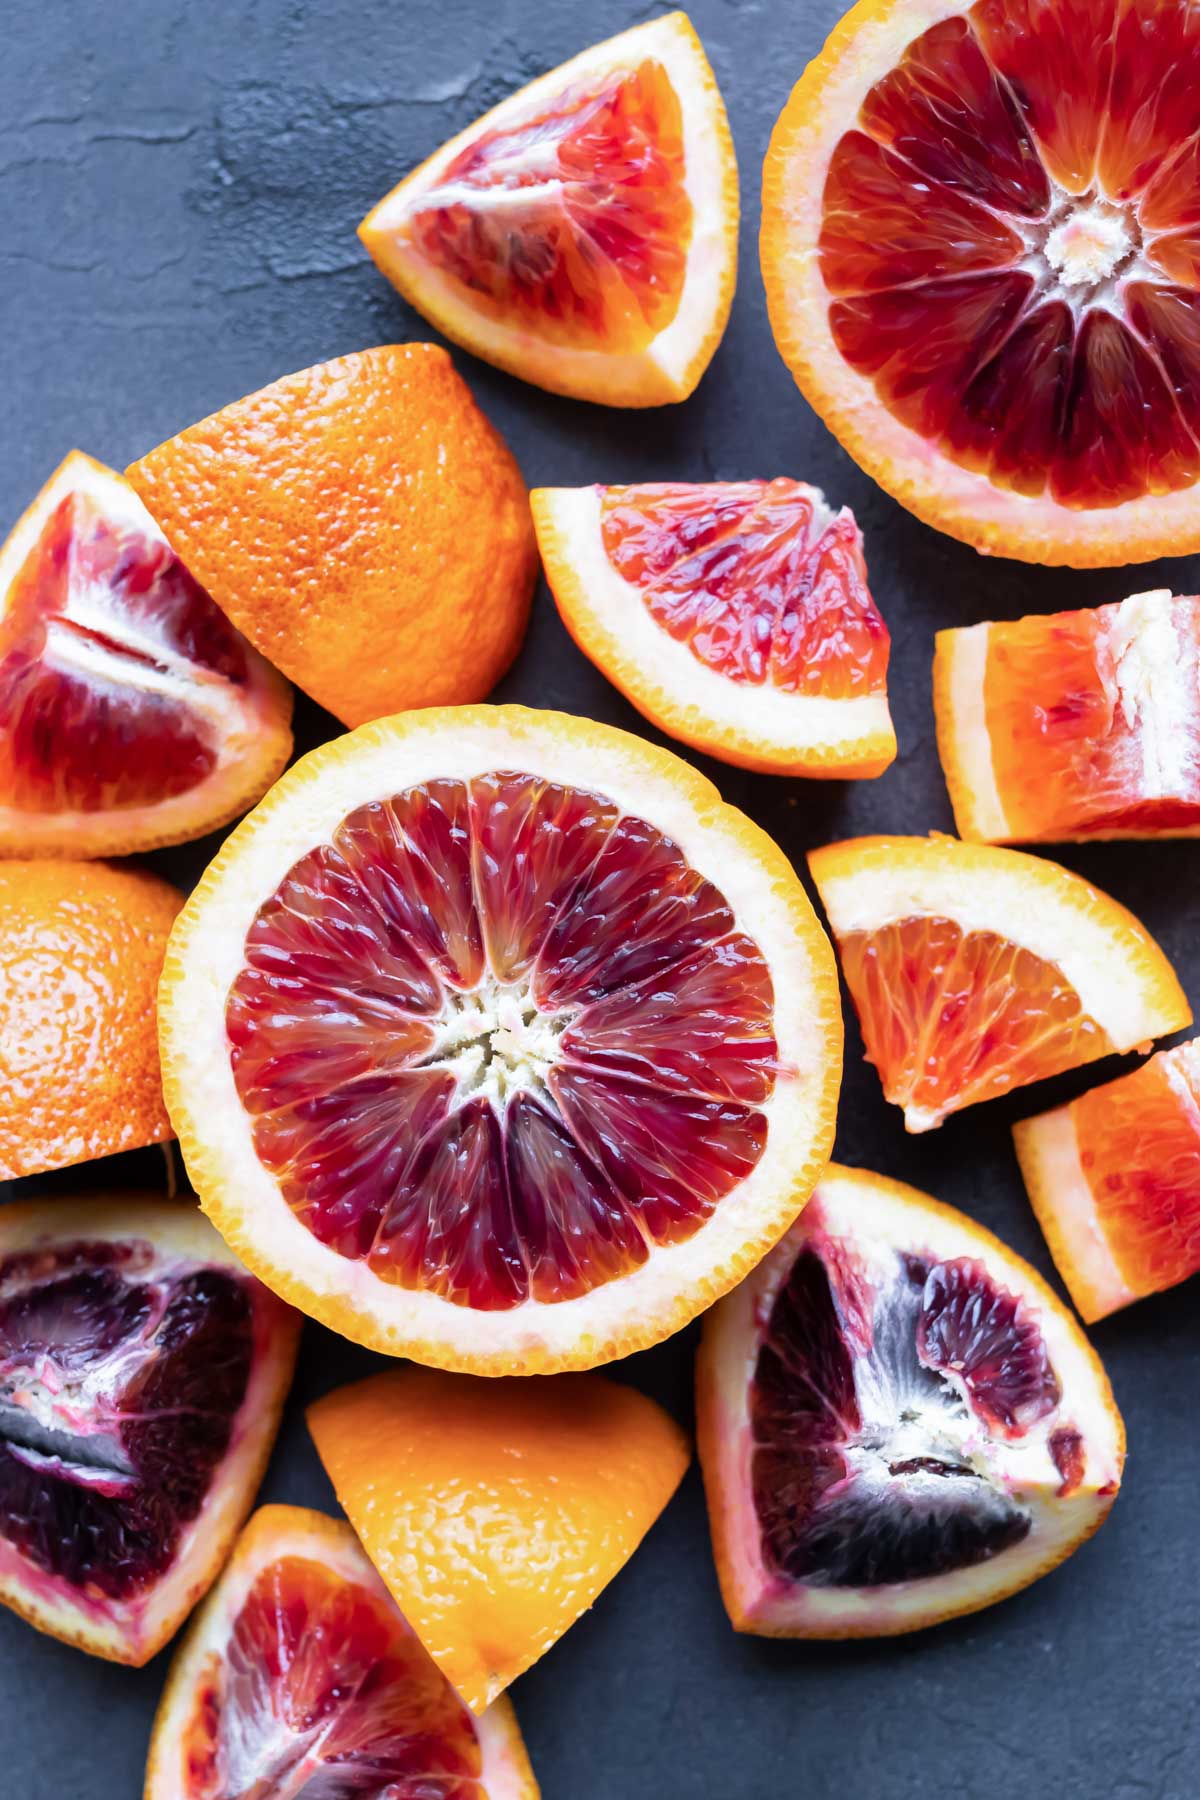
(179, 186)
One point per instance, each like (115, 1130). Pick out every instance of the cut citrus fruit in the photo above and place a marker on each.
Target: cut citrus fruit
(582, 234)
(299, 1678)
(363, 524)
(132, 714)
(1114, 1178)
(495, 1039)
(982, 265)
(898, 1421)
(735, 615)
(496, 1512)
(142, 1374)
(974, 970)
(1076, 725)
(81, 947)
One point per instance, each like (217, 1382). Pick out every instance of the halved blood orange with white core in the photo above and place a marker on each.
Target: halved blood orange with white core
(300, 1680)
(1114, 1178)
(142, 1375)
(582, 234)
(974, 970)
(898, 1421)
(132, 713)
(735, 615)
(982, 265)
(1074, 725)
(495, 1039)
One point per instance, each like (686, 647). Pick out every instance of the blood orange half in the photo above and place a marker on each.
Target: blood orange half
(583, 234)
(495, 1039)
(131, 712)
(300, 1678)
(1114, 1178)
(734, 615)
(898, 1421)
(980, 249)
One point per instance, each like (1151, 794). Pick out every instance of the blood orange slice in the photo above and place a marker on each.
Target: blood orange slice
(131, 712)
(734, 615)
(142, 1374)
(979, 245)
(583, 234)
(975, 970)
(493, 1038)
(1076, 725)
(300, 1678)
(1114, 1178)
(898, 1421)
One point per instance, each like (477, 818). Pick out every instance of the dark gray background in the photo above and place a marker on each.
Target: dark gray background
(179, 186)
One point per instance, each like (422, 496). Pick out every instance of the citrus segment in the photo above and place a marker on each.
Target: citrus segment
(498, 1040)
(975, 970)
(131, 712)
(496, 1513)
(898, 1421)
(735, 615)
(1114, 1177)
(583, 234)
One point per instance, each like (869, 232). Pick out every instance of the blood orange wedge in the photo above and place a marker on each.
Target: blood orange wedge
(974, 970)
(1114, 1178)
(734, 615)
(582, 234)
(980, 249)
(496, 1512)
(898, 1421)
(1077, 725)
(131, 712)
(494, 1039)
(142, 1374)
(299, 1680)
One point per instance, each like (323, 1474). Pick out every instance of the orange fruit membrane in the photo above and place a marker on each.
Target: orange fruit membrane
(981, 252)
(1114, 1178)
(299, 1677)
(496, 1512)
(495, 1039)
(582, 234)
(898, 1421)
(974, 970)
(734, 615)
(1077, 725)
(132, 713)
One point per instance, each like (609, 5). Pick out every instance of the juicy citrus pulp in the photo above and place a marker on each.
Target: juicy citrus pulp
(735, 615)
(898, 1421)
(496, 1512)
(495, 1038)
(975, 970)
(584, 233)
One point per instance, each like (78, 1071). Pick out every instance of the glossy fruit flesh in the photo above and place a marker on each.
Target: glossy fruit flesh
(499, 1039)
(323, 1692)
(119, 1385)
(950, 1017)
(1011, 245)
(756, 578)
(573, 222)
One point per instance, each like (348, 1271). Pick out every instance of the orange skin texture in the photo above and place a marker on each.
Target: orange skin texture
(81, 947)
(362, 524)
(496, 1511)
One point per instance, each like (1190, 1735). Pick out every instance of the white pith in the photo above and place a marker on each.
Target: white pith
(496, 1041)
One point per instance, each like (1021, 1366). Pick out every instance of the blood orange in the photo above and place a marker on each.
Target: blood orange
(495, 1039)
(734, 615)
(131, 712)
(980, 250)
(299, 1677)
(898, 1421)
(142, 1374)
